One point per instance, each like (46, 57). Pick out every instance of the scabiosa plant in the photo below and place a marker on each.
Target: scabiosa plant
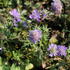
(53, 50)
(57, 50)
(15, 21)
(62, 50)
(16, 16)
(38, 15)
(35, 15)
(35, 35)
(57, 7)
(15, 13)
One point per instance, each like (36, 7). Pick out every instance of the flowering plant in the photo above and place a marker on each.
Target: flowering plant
(34, 35)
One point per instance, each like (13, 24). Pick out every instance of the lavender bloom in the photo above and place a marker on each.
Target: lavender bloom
(17, 20)
(38, 15)
(57, 50)
(56, 6)
(15, 13)
(16, 16)
(35, 15)
(0, 49)
(62, 50)
(35, 35)
(53, 50)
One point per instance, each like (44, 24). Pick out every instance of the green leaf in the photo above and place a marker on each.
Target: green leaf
(1, 67)
(17, 68)
(29, 66)
(13, 67)
(0, 61)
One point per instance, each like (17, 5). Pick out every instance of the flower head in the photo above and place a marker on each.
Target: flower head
(0, 49)
(35, 35)
(57, 50)
(16, 16)
(15, 13)
(62, 50)
(53, 50)
(56, 6)
(35, 15)
(38, 15)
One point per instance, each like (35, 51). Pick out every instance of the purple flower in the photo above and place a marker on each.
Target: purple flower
(57, 50)
(56, 6)
(17, 20)
(38, 15)
(53, 50)
(35, 35)
(16, 16)
(15, 13)
(62, 50)
(35, 15)
(0, 49)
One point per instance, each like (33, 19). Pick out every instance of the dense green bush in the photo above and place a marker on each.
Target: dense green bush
(36, 37)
